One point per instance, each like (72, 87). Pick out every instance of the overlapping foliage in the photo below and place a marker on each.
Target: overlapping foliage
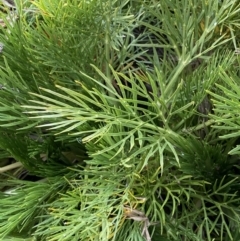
(126, 114)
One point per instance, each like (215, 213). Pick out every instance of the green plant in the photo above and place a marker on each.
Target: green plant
(114, 105)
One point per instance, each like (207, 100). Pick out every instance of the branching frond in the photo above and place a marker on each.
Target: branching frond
(127, 114)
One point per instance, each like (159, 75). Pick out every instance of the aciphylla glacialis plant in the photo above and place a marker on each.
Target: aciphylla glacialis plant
(119, 120)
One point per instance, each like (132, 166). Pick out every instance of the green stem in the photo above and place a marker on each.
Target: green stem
(170, 87)
(207, 123)
(107, 50)
(201, 126)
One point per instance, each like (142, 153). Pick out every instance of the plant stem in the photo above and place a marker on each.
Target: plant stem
(10, 167)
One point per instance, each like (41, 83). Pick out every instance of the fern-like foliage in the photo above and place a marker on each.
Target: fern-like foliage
(126, 114)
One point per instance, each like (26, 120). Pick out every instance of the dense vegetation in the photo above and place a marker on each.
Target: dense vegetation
(120, 120)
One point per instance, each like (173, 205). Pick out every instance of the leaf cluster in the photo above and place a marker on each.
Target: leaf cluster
(126, 113)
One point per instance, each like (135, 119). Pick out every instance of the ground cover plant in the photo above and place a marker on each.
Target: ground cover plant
(119, 120)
